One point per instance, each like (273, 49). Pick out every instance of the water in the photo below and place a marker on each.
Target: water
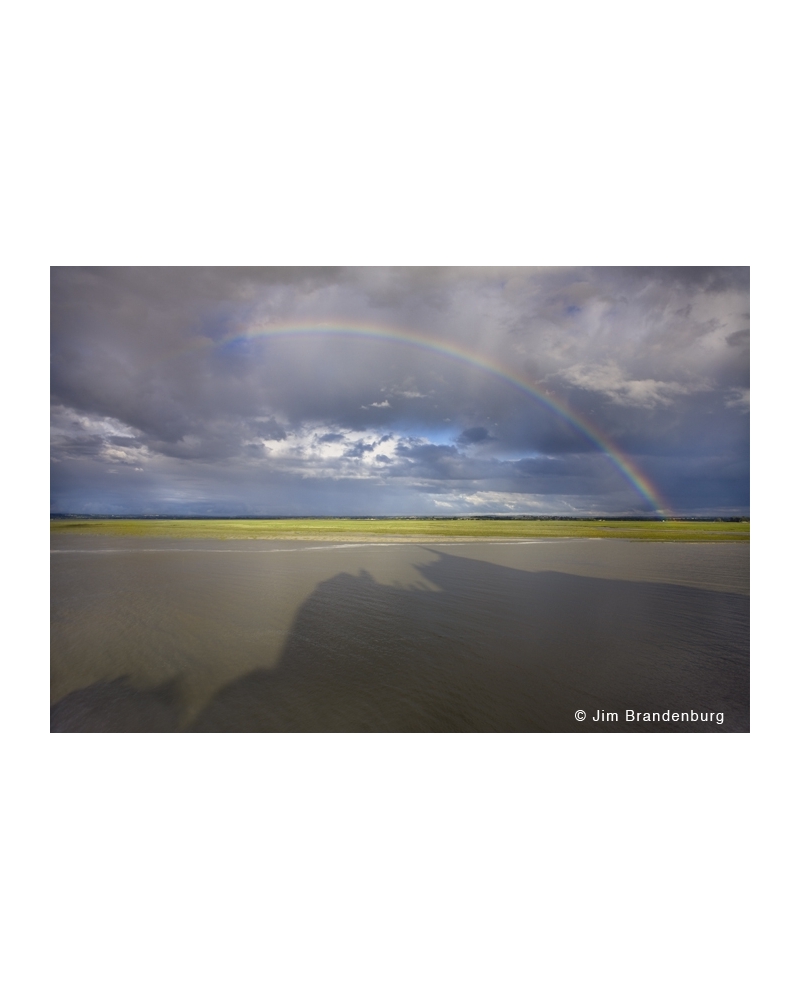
(165, 635)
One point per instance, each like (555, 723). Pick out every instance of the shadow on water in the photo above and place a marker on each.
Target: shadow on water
(117, 707)
(489, 649)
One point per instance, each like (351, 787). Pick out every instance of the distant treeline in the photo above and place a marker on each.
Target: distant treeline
(386, 517)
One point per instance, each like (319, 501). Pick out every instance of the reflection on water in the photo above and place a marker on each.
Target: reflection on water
(483, 636)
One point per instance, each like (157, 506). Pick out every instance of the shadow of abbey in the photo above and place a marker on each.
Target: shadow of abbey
(487, 648)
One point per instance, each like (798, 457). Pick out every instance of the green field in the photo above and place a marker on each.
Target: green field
(400, 529)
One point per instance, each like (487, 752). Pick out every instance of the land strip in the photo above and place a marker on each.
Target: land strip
(400, 530)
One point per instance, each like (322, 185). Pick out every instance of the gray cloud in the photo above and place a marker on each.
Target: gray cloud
(474, 435)
(163, 398)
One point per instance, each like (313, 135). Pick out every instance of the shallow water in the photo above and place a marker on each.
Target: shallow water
(163, 635)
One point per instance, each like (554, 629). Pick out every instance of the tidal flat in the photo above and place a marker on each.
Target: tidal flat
(155, 630)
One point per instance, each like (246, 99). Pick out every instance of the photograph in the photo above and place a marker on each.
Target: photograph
(398, 365)
(400, 499)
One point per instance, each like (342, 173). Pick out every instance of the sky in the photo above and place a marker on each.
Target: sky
(373, 391)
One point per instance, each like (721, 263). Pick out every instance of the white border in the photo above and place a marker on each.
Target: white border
(363, 134)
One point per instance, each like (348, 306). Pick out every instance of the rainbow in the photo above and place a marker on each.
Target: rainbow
(395, 335)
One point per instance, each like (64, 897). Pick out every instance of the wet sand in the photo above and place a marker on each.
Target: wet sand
(165, 634)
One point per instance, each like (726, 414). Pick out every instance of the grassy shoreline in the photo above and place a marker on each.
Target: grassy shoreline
(307, 529)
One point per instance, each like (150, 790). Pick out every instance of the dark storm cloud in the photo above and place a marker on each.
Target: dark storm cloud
(740, 338)
(705, 279)
(162, 399)
(474, 435)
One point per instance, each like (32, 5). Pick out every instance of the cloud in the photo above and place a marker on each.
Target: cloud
(492, 501)
(164, 370)
(474, 435)
(740, 338)
(269, 429)
(739, 399)
(609, 380)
